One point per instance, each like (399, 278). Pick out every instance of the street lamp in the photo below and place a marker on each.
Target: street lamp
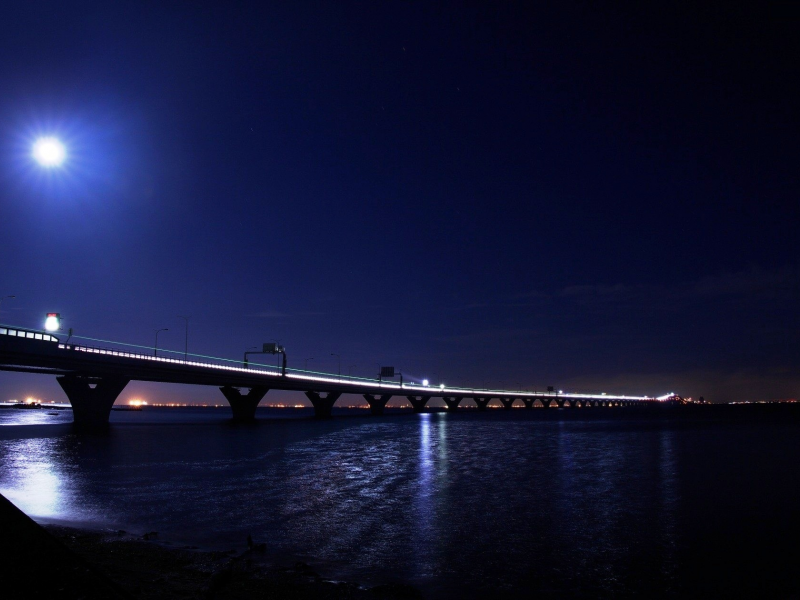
(155, 348)
(340, 362)
(186, 339)
(52, 322)
(305, 368)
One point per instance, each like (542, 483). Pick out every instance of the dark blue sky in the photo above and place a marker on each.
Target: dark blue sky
(600, 199)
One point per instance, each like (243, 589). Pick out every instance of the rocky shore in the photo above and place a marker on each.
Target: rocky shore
(62, 562)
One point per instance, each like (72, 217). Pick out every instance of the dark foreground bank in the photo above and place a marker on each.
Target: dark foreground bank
(63, 562)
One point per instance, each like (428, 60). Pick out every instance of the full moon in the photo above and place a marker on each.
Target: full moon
(49, 152)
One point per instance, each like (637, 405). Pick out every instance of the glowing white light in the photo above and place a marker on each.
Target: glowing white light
(425, 382)
(52, 322)
(49, 152)
(441, 386)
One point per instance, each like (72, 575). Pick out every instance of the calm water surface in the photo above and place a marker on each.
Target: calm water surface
(576, 502)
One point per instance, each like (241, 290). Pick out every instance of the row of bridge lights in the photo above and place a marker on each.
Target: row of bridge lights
(53, 323)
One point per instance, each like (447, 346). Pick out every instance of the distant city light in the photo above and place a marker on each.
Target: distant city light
(137, 402)
(52, 322)
(49, 152)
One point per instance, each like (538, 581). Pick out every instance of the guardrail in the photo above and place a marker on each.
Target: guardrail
(310, 376)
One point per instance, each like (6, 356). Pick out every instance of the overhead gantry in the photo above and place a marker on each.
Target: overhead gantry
(93, 378)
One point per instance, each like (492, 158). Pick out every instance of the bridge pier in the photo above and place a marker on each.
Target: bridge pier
(377, 403)
(545, 402)
(91, 406)
(482, 402)
(528, 402)
(244, 405)
(418, 402)
(323, 406)
(508, 403)
(452, 402)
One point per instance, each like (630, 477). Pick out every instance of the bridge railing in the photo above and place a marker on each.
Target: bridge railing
(226, 364)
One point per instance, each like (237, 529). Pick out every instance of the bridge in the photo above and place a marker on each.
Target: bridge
(93, 377)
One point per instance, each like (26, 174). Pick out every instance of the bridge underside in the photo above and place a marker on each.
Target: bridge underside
(91, 397)
(244, 405)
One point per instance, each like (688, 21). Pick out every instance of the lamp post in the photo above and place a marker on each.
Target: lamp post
(379, 371)
(244, 363)
(340, 362)
(305, 368)
(155, 348)
(5, 297)
(186, 339)
(350, 370)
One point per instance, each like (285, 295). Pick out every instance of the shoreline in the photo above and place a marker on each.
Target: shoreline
(60, 561)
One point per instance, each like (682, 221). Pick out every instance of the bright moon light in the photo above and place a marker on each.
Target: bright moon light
(49, 152)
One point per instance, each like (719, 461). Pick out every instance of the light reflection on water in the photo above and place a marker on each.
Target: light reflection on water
(457, 504)
(33, 483)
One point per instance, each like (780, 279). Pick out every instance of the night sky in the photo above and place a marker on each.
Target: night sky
(602, 199)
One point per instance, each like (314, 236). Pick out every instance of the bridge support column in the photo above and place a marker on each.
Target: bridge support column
(323, 406)
(91, 406)
(244, 405)
(452, 402)
(482, 402)
(418, 402)
(560, 402)
(528, 402)
(377, 403)
(508, 403)
(545, 402)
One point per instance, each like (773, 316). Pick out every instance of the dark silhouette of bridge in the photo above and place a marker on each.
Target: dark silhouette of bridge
(92, 378)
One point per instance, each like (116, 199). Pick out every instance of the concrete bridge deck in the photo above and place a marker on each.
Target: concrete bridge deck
(93, 378)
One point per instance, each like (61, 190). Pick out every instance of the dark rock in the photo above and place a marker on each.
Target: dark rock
(219, 579)
(399, 591)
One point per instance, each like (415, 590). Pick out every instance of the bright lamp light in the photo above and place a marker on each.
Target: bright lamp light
(52, 322)
(49, 152)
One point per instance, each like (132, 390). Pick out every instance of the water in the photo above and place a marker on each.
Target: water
(575, 502)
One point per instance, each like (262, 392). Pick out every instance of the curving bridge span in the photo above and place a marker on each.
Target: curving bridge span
(92, 379)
